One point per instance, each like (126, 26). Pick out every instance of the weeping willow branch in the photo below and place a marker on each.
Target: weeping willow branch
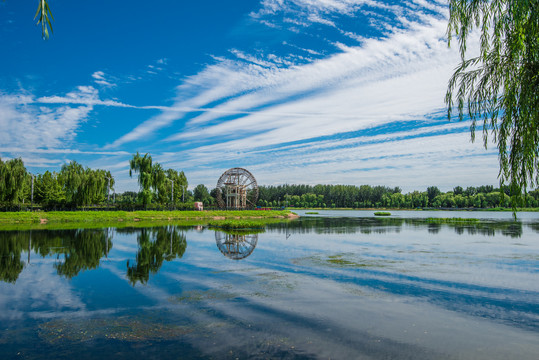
(500, 87)
(44, 16)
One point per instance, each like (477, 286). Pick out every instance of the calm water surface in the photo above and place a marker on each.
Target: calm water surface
(339, 285)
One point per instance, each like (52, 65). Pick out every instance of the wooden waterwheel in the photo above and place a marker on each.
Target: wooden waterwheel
(237, 189)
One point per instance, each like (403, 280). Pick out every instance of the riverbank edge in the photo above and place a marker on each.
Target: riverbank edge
(41, 217)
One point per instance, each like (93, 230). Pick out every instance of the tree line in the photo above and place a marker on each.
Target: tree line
(75, 187)
(72, 186)
(366, 196)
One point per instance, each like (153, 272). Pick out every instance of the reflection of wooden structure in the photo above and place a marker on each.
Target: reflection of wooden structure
(237, 189)
(236, 246)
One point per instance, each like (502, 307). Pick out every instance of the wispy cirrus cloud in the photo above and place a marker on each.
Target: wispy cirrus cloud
(83, 95)
(347, 95)
(253, 85)
(25, 125)
(43, 131)
(290, 114)
(101, 79)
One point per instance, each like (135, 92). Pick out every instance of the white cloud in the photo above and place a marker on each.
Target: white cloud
(43, 131)
(83, 95)
(28, 126)
(101, 79)
(291, 120)
(286, 115)
(404, 75)
(368, 75)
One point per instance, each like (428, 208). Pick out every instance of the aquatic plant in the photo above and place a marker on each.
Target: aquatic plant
(236, 224)
(453, 220)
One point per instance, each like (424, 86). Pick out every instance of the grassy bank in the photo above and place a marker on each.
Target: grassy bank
(119, 217)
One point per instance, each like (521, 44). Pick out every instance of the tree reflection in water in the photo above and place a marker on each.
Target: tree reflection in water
(236, 245)
(10, 256)
(368, 225)
(83, 251)
(155, 245)
(77, 250)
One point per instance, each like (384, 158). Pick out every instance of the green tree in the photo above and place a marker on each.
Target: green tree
(432, 192)
(12, 178)
(201, 193)
(47, 190)
(72, 176)
(143, 166)
(159, 184)
(82, 186)
(500, 86)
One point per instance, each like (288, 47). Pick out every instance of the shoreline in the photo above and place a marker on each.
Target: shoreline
(133, 217)
(497, 209)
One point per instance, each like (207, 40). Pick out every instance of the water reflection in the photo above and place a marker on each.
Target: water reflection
(11, 265)
(155, 245)
(82, 249)
(75, 250)
(348, 288)
(236, 245)
(370, 225)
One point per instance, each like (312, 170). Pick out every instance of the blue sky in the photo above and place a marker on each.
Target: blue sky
(298, 91)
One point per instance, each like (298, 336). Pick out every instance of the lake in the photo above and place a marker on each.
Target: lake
(338, 284)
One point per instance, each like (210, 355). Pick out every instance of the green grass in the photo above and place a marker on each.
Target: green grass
(311, 213)
(237, 224)
(382, 213)
(114, 218)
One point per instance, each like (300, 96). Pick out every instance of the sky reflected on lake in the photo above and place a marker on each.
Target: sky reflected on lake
(317, 287)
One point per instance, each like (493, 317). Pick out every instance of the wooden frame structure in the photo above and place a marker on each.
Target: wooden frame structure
(237, 189)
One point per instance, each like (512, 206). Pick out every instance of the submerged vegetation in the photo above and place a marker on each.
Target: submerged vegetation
(453, 220)
(344, 260)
